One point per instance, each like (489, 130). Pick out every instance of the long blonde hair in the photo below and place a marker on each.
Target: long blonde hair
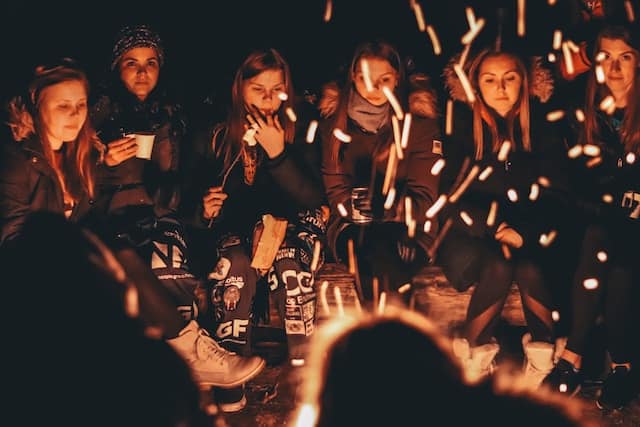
(76, 171)
(482, 112)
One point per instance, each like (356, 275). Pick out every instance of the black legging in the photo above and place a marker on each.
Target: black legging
(481, 261)
(613, 294)
(376, 250)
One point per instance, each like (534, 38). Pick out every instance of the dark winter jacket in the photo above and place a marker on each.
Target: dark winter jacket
(363, 163)
(521, 170)
(117, 113)
(28, 183)
(283, 186)
(608, 191)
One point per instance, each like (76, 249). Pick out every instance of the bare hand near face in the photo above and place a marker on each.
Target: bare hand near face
(120, 150)
(269, 132)
(328, 103)
(509, 236)
(212, 202)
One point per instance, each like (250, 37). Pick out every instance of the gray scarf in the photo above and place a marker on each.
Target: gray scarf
(368, 116)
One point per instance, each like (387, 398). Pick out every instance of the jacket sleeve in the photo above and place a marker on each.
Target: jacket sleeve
(296, 172)
(14, 194)
(459, 153)
(422, 185)
(166, 150)
(458, 147)
(337, 183)
(613, 176)
(169, 138)
(200, 166)
(548, 210)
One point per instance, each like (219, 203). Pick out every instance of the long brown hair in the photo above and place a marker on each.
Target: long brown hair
(76, 171)
(630, 129)
(482, 112)
(377, 49)
(257, 62)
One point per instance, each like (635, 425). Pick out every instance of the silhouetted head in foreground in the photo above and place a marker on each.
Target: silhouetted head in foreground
(396, 369)
(80, 355)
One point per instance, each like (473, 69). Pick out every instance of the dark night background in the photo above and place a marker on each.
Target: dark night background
(206, 41)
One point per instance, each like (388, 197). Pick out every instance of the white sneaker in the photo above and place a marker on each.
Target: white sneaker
(538, 360)
(477, 362)
(212, 365)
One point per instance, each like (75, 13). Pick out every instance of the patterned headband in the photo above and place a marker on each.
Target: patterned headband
(138, 36)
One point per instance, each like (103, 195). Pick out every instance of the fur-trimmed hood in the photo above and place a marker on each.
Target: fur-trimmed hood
(422, 98)
(541, 82)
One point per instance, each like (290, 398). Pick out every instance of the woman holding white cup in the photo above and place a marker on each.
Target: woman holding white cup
(142, 128)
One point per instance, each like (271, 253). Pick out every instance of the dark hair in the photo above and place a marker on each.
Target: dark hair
(363, 367)
(630, 129)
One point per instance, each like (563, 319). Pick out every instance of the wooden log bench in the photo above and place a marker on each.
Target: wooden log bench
(337, 276)
(437, 299)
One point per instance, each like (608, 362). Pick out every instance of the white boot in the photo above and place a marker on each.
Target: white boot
(561, 343)
(210, 364)
(477, 362)
(538, 361)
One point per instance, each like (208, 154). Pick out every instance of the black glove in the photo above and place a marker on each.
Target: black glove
(406, 250)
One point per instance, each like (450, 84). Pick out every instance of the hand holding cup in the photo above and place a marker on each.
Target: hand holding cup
(120, 150)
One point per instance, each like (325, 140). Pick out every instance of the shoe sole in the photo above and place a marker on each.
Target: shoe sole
(204, 385)
(604, 407)
(233, 406)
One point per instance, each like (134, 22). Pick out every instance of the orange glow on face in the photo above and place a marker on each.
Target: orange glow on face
(500, 83)
(381, 74)
(263, 91)
(63, 111)
(139, 71)
(619, 65)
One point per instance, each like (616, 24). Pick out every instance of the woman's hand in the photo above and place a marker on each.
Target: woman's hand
(269, 132)
(120, 150)
(509, 236)
(329, 100)
(212, 202)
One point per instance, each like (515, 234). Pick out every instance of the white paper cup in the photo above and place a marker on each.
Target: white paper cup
(145, 145)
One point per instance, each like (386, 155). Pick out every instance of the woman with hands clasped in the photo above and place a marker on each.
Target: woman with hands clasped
(503, 178)
(256, 173)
